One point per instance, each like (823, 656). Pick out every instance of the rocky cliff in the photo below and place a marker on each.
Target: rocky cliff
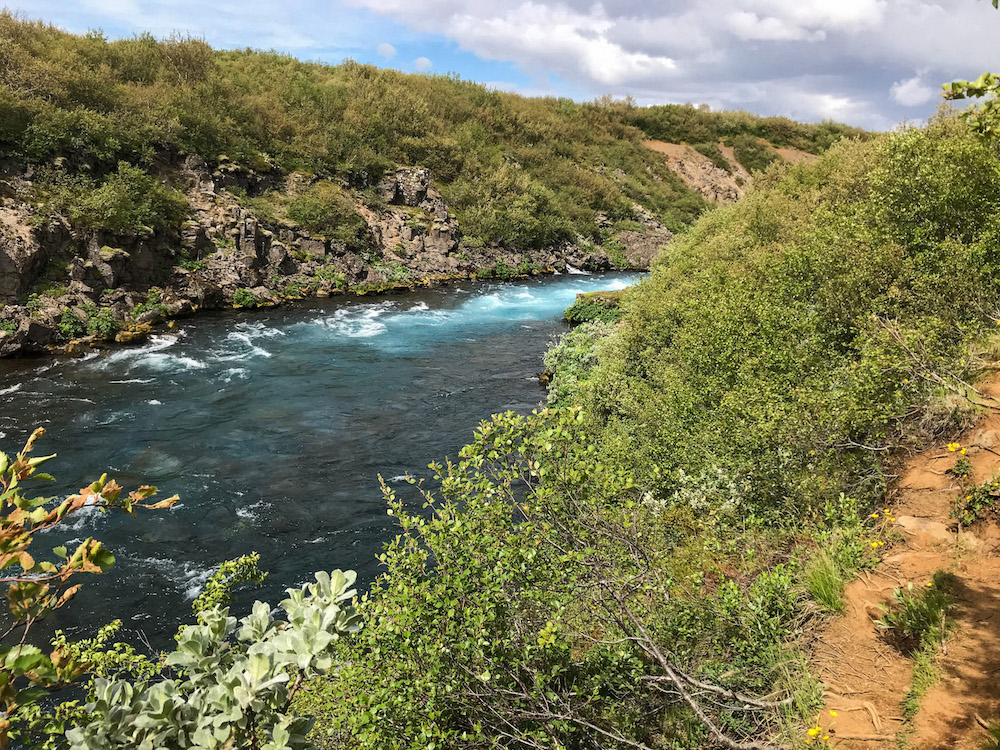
(62, 288)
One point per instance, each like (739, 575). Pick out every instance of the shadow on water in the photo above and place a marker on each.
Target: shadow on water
(273, 427)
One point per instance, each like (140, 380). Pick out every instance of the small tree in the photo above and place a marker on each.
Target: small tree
(36, 588)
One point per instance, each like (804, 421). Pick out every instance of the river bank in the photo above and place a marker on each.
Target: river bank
(70, 291)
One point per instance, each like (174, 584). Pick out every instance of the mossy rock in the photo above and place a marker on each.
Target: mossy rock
(590, 306)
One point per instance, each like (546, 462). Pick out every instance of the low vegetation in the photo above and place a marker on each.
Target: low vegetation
(678, 123)
(591, 306)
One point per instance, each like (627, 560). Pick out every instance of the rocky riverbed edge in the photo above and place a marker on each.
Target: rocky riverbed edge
(71, 292)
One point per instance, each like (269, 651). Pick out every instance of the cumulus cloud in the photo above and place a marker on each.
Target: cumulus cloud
(817, 58)
(912, 92)
(386, 51)
(422, 64)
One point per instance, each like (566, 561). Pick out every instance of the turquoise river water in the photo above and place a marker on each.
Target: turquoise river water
(273, 427)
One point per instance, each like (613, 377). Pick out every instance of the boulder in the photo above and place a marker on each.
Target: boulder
(23, 253)
(407, 187)
(38, 331)
(313, 247)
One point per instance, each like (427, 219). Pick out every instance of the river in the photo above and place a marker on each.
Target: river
(273, 427)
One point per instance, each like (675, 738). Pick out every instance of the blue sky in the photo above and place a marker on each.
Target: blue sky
(871, 63)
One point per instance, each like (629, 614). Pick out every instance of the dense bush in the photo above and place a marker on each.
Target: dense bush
(128, 201)
(541, 600)
(323, 208)
(685, 122)
(752, 153)
(792, 339)
(591, 306)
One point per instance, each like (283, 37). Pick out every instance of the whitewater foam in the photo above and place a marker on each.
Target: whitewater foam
(357, 322)
(188, 578)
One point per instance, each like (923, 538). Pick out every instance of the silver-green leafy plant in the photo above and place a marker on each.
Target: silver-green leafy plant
(234, 681)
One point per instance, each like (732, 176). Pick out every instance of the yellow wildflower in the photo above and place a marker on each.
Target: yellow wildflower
(813, 731)
(929, 584)
(952, 447)
(833, 713)
(826, 736)
(962, 452)
(874, 515)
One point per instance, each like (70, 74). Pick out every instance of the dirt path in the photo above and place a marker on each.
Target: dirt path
(867, 680)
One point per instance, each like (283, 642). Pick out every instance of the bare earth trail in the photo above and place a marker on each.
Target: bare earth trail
(866, 679)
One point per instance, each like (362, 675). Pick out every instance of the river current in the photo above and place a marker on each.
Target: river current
(273, 427)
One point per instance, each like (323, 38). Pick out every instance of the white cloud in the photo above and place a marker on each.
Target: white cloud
(747, 25)
(534, 34)
(816, 58)
(912, 92)
(850, 15)
(422, 64)
(386, 51)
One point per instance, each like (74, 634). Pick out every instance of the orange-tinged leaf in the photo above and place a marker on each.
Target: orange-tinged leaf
(33, 439)
(111, 491)
(168, 503)
(68, 594)
(146, 491)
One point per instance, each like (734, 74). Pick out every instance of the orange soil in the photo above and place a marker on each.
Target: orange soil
(701, 175)
(865, 679)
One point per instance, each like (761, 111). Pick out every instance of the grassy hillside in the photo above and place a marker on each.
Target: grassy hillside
(501, 158)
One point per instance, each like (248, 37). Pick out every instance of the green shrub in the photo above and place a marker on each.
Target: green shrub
(324, 209)
(328, 273)
(556, 608)
(70, 325)
(395, 273)
(528, 268)
(977, 502)
(591, 306)
(128, 201)
(101, 322)
(917, 617)
(500, 270)
(571, 358)
(615, 249)
(245, 298)
(152, 302)
(191, 264)
(779, 338)
(751, 153)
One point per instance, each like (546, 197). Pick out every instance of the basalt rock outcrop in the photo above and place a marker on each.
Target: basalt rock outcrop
(226, 251)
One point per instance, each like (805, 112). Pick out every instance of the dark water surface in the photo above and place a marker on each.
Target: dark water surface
(273, 427)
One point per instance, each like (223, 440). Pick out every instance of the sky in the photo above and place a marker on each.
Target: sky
(869, 63)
